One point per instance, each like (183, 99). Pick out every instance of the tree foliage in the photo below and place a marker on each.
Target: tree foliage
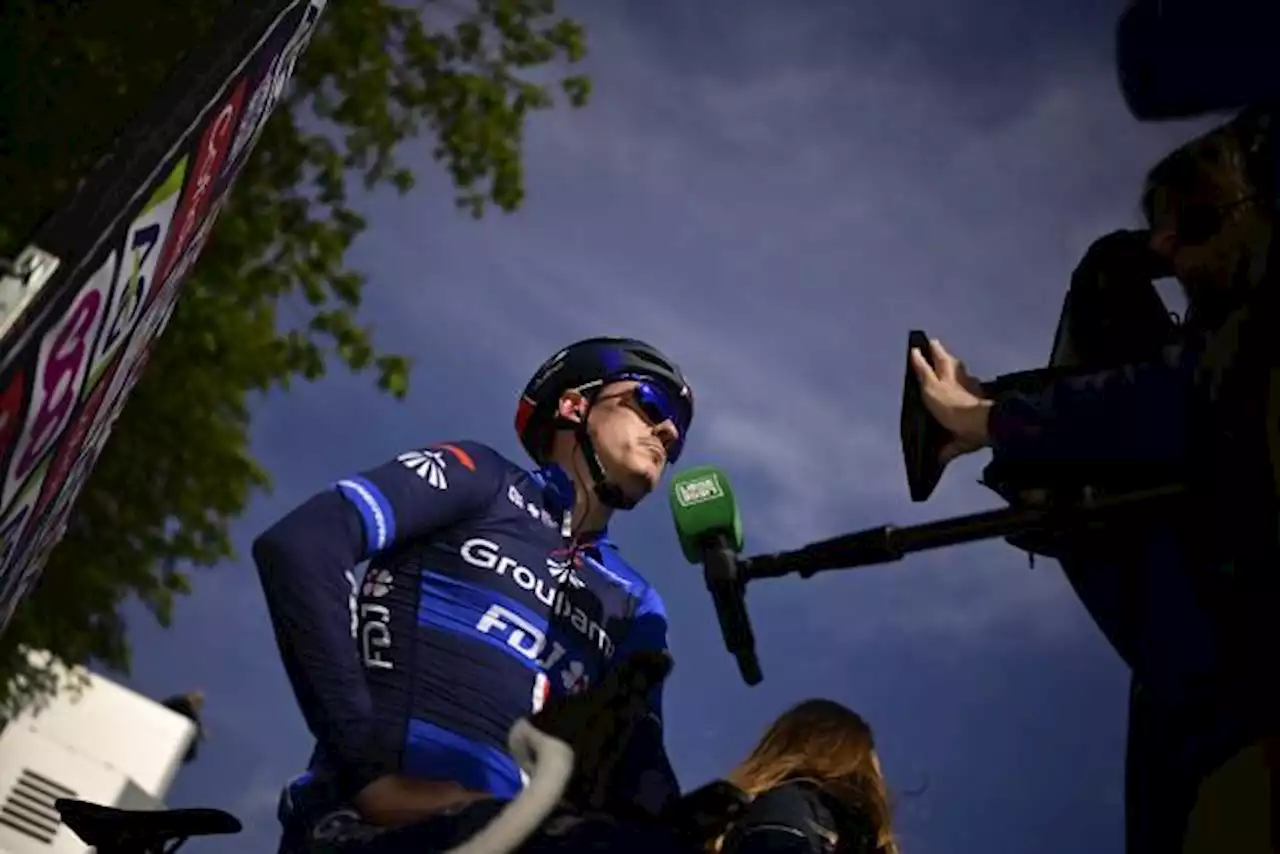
(177, 468)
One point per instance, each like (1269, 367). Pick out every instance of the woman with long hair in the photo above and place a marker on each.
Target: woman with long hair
(815, 786)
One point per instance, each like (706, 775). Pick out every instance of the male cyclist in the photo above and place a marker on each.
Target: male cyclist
(489, 590)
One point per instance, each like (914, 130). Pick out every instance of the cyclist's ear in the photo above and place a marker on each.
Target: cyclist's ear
(572, 406)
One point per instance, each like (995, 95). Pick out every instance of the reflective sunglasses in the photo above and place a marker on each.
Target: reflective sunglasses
(657, 404)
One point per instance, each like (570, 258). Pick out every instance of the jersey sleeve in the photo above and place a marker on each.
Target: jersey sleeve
(306, 564)
(1138, 415)
(422, 491)
(646, 778)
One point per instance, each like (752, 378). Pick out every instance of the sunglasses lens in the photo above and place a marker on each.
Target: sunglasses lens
(659, 406)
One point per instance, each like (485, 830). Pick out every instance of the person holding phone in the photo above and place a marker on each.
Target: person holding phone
(1191, 606)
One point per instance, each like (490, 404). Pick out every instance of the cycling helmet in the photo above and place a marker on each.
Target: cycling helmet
(588, 366)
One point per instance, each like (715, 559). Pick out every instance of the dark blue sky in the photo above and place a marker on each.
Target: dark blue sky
(774, 193)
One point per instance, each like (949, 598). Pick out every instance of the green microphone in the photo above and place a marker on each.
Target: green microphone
(709, 527)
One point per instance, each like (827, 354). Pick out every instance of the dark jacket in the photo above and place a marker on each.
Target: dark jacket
(799, 818)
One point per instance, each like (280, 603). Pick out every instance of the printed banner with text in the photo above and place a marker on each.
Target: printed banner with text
(70, 363)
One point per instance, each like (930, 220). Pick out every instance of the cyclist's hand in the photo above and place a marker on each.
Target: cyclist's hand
(598, 722)
(394, 800)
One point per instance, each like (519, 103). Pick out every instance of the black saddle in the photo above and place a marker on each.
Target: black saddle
(109, 829)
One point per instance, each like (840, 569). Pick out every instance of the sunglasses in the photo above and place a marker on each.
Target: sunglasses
(656, 403)
(1199, 222)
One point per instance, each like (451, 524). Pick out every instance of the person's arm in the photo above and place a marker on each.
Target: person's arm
(645, 777)
(1135, 414)
(306, 564)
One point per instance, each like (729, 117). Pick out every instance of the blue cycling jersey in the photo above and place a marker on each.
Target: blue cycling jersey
(475, 608)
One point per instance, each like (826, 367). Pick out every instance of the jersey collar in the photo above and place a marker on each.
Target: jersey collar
(557, 488)
(595, 539)
(559, 494)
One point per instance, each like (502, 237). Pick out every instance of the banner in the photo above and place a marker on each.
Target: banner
(82, 306)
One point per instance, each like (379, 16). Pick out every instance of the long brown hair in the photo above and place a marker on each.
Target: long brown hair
(830, 745)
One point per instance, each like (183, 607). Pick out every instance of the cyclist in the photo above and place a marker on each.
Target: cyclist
(489, 589)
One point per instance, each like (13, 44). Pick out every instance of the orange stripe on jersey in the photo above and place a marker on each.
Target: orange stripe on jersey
(461, 455)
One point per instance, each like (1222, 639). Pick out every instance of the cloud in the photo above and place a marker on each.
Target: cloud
(778, 232)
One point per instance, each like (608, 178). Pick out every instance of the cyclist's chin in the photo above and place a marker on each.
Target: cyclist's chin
(638, 480)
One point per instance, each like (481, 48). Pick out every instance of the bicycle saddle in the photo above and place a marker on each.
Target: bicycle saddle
(107, 828)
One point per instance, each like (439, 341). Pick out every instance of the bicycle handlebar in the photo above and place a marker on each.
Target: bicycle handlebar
(549, 762)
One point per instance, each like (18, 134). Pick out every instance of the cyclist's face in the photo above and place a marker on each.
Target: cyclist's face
(631, 446)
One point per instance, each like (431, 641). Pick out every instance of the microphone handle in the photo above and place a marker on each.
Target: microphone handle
(728, 589)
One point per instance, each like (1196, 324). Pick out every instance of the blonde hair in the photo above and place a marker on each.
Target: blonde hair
(827, 744)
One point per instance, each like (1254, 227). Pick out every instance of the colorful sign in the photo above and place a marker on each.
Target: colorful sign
(68, 369)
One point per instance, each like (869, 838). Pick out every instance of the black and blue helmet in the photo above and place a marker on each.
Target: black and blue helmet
(589, 365)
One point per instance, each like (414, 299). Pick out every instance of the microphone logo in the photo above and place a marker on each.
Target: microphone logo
(698, 490)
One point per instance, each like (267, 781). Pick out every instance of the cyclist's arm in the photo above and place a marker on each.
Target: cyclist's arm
(645, 776)
(1135, 414)
(306, 563)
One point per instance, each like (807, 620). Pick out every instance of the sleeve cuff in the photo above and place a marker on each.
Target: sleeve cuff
(1013, 425)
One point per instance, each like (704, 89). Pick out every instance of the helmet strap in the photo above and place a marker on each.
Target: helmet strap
(609, 494)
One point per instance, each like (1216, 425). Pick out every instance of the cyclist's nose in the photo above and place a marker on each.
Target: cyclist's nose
(667, 432)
